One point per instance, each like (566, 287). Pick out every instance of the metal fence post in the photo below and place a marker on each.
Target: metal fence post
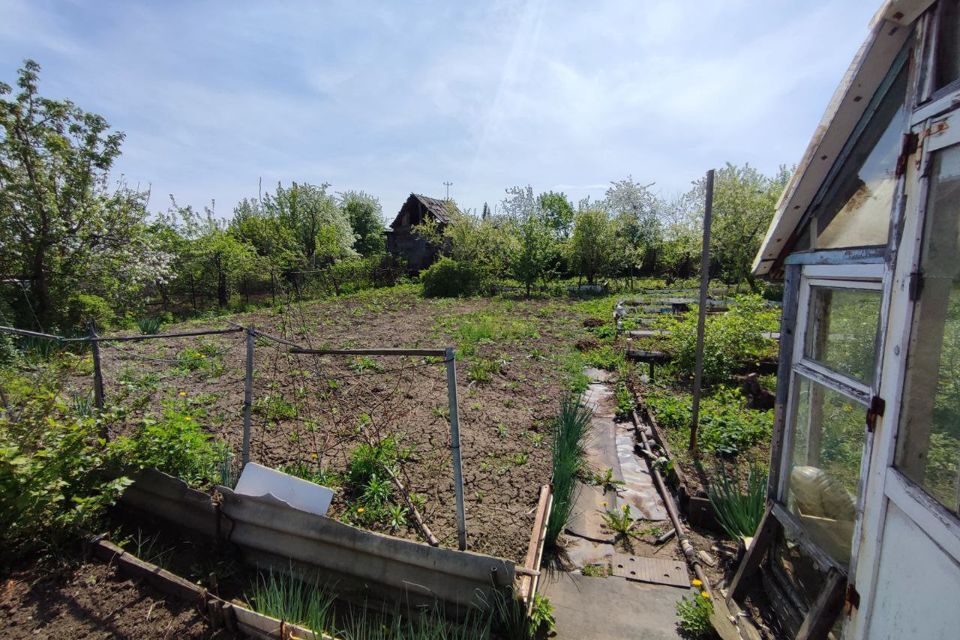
(450, 360)
(97, 371)
(248, 397)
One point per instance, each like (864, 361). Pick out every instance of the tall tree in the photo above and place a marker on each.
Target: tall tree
(591, 244)
(558, 212)
(311, 214)
(60, 224)
(366, 219)
(744, 200)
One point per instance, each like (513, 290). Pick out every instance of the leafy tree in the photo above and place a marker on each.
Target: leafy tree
(485, 245)
(558, 212)
(308, 211)
(366, 219)
(536, 252)
(209, 257)
(744, 200)
(638, 233)
(62, 231)
(590, 246)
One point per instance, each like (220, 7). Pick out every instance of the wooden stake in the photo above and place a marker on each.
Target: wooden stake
(702, 315)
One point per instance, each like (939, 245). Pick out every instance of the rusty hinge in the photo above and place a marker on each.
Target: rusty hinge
(908, 146)
(851, 600)
(915, 286)
(877, 405)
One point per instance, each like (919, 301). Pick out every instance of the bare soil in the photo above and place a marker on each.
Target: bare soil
(511, 369)
(87, 601)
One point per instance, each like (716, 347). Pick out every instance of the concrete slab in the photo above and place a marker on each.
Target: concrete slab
(611, 608)
(598, 375)
(581, 552)
(586, 520)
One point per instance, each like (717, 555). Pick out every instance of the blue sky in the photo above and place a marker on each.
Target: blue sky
(401, 96)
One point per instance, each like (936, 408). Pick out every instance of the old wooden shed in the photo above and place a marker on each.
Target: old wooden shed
(862, 536)
(403, 242)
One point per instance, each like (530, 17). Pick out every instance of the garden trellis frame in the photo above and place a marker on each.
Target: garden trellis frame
(447, 354)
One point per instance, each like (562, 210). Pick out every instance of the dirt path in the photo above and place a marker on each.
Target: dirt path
(615, 606)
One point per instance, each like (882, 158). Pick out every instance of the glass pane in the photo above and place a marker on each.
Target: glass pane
(856, 208)
(828, 438)
(948, 44)
(842, 330)
(928, 447)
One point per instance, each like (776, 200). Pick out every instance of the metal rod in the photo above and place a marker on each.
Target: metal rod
(248, 396)
(685, 545)
(97, 371)
(374, 352)
(32, 334)
(455, 446)
(156, 336)
(701, 313)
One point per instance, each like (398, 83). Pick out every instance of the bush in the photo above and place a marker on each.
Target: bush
(175, 444)
(730, 339)
(82, 307)
(448, 278)
(54, 477)
(727, 427)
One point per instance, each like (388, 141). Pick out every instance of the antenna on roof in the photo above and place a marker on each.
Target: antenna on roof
(448, 185)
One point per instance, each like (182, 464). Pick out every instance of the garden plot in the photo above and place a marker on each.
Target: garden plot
(338, 420)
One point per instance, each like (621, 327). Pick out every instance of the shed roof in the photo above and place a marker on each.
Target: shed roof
(438, 208)
(888, 32)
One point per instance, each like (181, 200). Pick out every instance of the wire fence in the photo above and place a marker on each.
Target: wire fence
(301, 407)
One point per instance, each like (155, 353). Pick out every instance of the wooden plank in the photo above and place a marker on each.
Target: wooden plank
(798, 534)
(371, 352)
(788, 329)
(822, 615)
(861, 255)
(535, 548)
(754, 555)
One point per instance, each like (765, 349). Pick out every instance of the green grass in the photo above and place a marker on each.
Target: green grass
(275, 408)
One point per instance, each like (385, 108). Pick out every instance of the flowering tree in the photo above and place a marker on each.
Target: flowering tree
(63, 231)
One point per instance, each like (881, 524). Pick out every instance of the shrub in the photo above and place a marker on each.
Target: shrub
(176, 444)
(727, 426)
(448, 278)
(730, 339)
(83, 307)
(367, 461)
(54, 479)
(569, 434)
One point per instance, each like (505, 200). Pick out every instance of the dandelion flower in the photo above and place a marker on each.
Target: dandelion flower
(360, 509)
(183, 393)
(313, 455)
(188, 418)
(603, 504)
(696, 582)
(704, 595)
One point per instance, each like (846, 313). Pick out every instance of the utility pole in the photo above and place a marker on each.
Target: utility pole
(448, 185)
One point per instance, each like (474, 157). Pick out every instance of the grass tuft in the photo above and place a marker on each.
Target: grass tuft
(570, 431)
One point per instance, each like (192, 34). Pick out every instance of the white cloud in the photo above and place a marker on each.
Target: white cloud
(393, 98)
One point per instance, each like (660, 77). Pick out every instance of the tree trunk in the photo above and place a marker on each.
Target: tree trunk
(222, 298)
(40, 289)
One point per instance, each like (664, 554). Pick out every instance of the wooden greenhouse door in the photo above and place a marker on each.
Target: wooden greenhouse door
(908, 565)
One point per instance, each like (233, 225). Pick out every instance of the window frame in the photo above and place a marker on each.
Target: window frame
(858, 276)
